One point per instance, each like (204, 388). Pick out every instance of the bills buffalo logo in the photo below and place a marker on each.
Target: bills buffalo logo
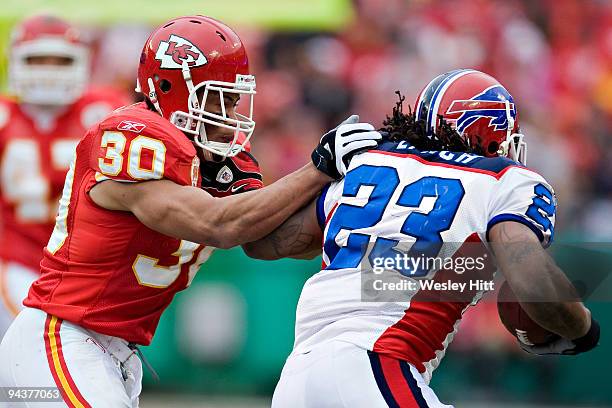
(490, 104)
(177, 50)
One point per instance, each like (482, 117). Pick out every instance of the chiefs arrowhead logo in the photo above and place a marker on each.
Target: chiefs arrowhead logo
(176, 50)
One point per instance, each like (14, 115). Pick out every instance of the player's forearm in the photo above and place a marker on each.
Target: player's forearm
(191, 214)
(250, 216)
(298, 237)
(541, 287)
(547, 284)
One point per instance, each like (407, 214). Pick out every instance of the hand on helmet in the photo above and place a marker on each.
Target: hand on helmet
(336, 148)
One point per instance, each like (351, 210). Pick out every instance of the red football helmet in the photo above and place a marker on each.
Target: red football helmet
(478, 107)
(49, 83)
(184, 61)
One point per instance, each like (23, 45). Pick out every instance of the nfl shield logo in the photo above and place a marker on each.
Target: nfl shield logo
(225, 175)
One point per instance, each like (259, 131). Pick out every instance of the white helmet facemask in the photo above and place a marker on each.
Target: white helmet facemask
(192, 122)
(514, 147)
(48, 84)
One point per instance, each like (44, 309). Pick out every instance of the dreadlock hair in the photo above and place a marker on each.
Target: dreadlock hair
(405, 126)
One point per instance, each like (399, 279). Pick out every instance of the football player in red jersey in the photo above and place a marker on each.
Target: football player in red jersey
(39, 130)
(134, 226)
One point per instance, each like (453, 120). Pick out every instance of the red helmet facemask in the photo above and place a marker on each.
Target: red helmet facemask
(478, 107)
(189, 61)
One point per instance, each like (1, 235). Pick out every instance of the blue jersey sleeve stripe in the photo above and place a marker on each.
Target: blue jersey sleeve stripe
(321, 207)
(513, 217)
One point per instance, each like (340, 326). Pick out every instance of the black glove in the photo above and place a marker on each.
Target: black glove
(231, 176)
(335, 149)
(560, 345)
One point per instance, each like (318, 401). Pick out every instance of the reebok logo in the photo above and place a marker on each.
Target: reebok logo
(131, 126)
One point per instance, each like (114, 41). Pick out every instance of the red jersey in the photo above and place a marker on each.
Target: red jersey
(35, 156)
(104, 270)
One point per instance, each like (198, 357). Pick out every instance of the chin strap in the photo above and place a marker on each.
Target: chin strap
(200, 138)
(514, 146)
(189, 82)
(152, 95)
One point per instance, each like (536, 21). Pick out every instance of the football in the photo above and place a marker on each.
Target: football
(517, 321)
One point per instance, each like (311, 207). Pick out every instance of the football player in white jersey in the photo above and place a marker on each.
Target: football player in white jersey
(452, 172)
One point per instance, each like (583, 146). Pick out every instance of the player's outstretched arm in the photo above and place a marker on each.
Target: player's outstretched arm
(299, 237)
(533, 275)
(192, 214)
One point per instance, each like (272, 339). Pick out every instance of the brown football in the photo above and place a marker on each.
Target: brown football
(517, 321)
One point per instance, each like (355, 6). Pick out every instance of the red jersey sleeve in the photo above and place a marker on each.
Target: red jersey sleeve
(134, 144)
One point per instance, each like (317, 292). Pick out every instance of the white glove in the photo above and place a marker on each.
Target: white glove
(563, 346)
(336, 148)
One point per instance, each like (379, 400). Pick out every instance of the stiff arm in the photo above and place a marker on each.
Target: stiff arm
(192, 214)
(299, 237)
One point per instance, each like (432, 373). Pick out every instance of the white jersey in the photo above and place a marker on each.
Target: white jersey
(397, 197)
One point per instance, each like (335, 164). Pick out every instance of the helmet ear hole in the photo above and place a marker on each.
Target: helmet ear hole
(165, 85)
(493, 148)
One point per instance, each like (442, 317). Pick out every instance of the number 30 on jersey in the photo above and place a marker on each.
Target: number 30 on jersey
(111, 165)
(115, 144)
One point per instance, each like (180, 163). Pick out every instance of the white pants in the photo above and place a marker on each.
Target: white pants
(15, 281)
(89, 369)
(339, 374)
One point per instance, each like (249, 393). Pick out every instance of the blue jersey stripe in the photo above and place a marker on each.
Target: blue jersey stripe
(381, 381)
(514, 217)
(414, 386)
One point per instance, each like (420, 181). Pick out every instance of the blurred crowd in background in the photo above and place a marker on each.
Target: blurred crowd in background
(554, 56)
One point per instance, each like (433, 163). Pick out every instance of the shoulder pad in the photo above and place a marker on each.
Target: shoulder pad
(138, 119)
